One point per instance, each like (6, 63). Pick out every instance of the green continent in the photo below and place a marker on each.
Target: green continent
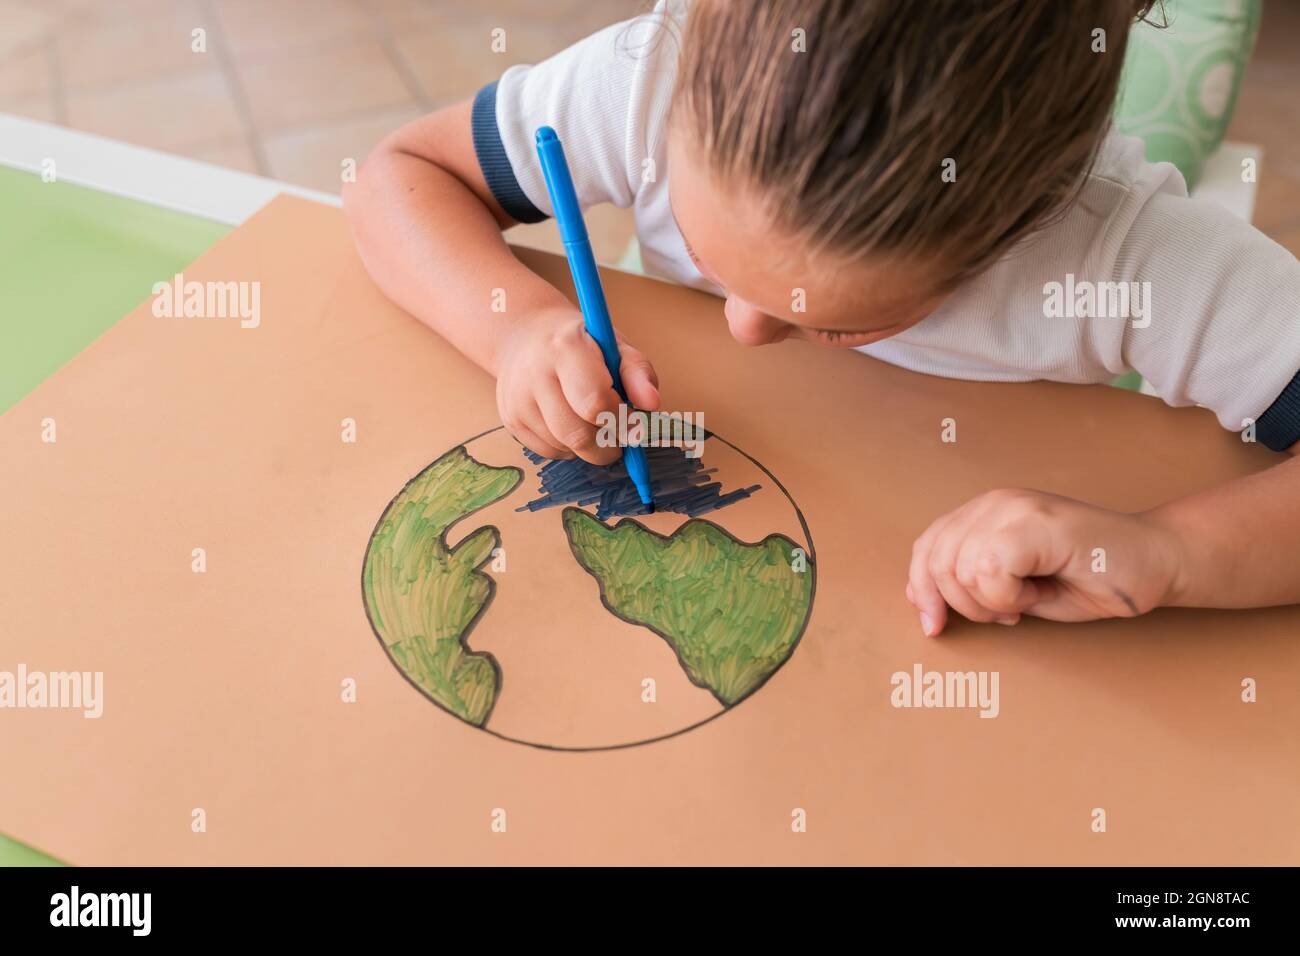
(423, 597)
(732, 611)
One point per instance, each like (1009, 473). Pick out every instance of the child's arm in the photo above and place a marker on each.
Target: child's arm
(1219, 330)
(1240, 541)
(1011, 552)
(429, 232)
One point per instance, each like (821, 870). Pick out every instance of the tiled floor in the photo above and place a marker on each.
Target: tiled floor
(290, 88)
(285, 88)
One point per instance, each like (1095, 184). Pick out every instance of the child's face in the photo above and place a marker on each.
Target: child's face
(774, 289)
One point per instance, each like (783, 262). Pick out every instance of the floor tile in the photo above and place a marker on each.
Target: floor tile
(60, 9)
(572, 18)
(234, 154)
(314, 157)
(168, 114)
(588, 17)
(454, 60)
(112, 12)
(26, 74)
(262, 27)
(404, 14)
(35, 107)
(95, 53)
(24, 25)
(305, 88)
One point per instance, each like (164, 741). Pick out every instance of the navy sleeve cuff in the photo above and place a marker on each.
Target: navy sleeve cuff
(1279, 426)
(494, 162)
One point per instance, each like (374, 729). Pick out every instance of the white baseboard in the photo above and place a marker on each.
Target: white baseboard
(173, 182)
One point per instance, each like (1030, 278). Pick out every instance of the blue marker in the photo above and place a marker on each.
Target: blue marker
(591, 297)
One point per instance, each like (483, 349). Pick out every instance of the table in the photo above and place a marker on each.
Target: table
(78, 253)
(1157, 691)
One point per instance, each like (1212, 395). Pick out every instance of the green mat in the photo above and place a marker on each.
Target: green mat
(13, 853)
(72, 262)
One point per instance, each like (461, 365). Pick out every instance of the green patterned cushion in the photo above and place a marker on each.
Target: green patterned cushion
(1180, 83)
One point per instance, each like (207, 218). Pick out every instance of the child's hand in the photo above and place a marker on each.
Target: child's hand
(1014, 552)
(552, 384)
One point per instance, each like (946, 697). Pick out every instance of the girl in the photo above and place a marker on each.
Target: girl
(924, 172)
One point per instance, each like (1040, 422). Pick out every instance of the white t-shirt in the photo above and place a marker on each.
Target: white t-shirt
(1213, 320)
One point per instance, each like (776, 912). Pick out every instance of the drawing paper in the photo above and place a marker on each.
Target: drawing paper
(262, 697)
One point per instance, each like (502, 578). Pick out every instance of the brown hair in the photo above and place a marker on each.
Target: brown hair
(846, 142)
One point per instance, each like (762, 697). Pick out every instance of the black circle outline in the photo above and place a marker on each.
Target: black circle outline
(812, 596)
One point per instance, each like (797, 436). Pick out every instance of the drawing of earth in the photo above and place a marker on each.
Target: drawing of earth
(579, 622)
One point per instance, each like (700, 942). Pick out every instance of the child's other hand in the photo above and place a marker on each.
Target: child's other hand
(552, 385)
(1013, 552)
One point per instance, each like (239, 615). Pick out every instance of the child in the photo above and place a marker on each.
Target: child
(925, 172)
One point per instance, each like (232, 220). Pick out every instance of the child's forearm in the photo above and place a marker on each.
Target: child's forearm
(428, 228)
(434, 248)
(1240, 541)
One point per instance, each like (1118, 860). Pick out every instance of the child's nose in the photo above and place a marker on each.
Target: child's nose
(751, 326)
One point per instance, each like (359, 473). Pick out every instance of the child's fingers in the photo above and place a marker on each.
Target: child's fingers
(537, 445)
(942, 567)
(586, 384)
(999, 568)
(530, 429)
(569, 430)
(924, 592)
(1055, 603)
(630, 352)
(513, 417)
(937, 557)
(640, 380)
(983, 567)
(941, 559)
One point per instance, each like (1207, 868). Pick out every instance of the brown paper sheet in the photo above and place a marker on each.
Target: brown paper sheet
(222, 690)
